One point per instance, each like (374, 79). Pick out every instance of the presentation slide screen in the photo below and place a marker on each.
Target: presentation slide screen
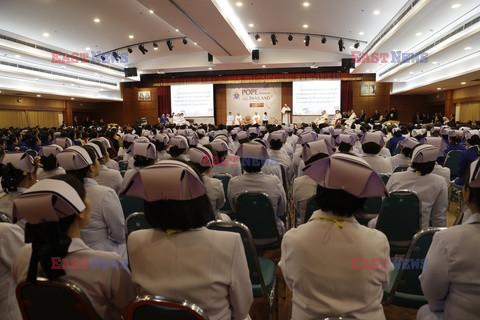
(193, 100)
(312, 97)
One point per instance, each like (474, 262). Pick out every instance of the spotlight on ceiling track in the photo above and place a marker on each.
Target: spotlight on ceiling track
(274, 39)
(169, 45)
(155, 46)
(130, 50)
(142, 49)
(324, 40)
(257, 37)
(290, 37)
(115, 56)
(341, 47)
(307, 40)
(356, 45)
(185, 41)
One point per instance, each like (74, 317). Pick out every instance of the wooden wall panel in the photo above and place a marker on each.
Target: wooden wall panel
(220, 91)
(134, 109)
(380, 102)
(468, 94)
(409, 105)
(28, 103)
(110, 112)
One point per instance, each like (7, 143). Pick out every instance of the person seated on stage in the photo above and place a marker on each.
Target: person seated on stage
(326, 261)
(178, 257)
(238, 119)
(472, 138)
(230, 119)
(256, 118)
(336, 118)
(361, 118)
(451, 283)
(265, 119)
(372, 144)
(56, 210)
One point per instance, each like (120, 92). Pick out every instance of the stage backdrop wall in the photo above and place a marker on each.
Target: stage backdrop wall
(255, 97)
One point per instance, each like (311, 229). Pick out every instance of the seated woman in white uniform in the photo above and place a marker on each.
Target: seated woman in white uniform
(109, 162)
(179, 258)
(430, 188)
(202, 159)
(106, 230)
(106, 177)
(326, 261)
(145, 154)
(49, 162)
(404, 158)
(178, 148)
(277, 153)
(305, 187)
(160, 140)
(19, 172)
(372, 144)
(224, 162)
(451, 283)
(54, 233)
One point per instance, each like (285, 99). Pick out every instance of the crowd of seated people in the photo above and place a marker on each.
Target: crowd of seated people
(174, 168)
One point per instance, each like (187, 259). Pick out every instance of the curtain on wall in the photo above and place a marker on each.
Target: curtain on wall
(469, 111)
(23, 118)
(164, 103)
(346, 100)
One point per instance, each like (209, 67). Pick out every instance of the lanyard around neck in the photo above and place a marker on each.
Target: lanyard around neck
(338, 222)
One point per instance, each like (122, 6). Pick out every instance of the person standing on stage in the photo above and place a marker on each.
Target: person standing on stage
(265, 119)
(230, 119)
(238, 119)
(286, 114)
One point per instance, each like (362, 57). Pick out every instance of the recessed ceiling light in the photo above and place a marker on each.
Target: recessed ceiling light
(72, 98)
(131, 36)
(151, 11)
(264, 66)
(411, 72)
(305, 26)
(18, 56)
(96, 20)
(434, 62)
(468, 48)
(351, 47)
(418, 34)
(439, 88)
(306, 4)
(87, 48)
(376, 12)
(259, 39)
(46, 34)
(39, 95)
(177, 30)
(463, 82)
(367, 70)
(395, 50)
(96, 73)
(395, 80)
(72, 84)
(210, 68)
(239, 3)
(251, 25)
(195, 43)
(456, 5)
(361, 33)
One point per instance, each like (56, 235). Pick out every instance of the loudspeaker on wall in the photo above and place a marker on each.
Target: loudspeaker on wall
(255, 54)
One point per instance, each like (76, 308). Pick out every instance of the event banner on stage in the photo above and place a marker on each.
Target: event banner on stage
(247, 99)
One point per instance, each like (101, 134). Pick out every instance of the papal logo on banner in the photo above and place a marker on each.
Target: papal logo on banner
(236, 95)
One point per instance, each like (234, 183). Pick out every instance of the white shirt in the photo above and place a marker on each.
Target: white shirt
(230, 119)
(432, 191)
(112, 164)
(11, 241)
(317, 265)
(400, 160)
(128, 175)
(304, 188)
(163, 155)
(206, 267)
(107, 289)
(6, 202)
(378, 163)
(238, 120)
(106, 230)
(42, 174)
(443, 172)
(215, 193)
(231, 165)
(451, 280)
(109, 178)
(255, 119)
(283, 159)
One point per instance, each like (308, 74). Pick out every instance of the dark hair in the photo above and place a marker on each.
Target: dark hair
(474, 140)
(101, 146)
(199, 167)
(80, 174)
(371, 148)
(222, 156)
(316, 157)
(50, 239)
(49, 163)
(423, 168)
(175, 151)
(276, 144)
(178, 214)
(11, 177)
(407, 152)
(398, 133)
(141, 161)
(252, 164)
(159, 145)
(344, 147)
(339, 202)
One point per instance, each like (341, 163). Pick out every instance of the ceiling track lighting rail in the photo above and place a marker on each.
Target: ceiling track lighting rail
(290, 35)
(143, 44)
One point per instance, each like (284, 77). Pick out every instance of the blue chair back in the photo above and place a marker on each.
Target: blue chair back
(452, 160)
(408, 269)
(255, 210)
(160, 308)
(123, 165)
(56, 300)
(385, 177)
(225, 178)
(400, 217)
(136, 221)
(131, 204)
(400, 169)
(312, 206)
